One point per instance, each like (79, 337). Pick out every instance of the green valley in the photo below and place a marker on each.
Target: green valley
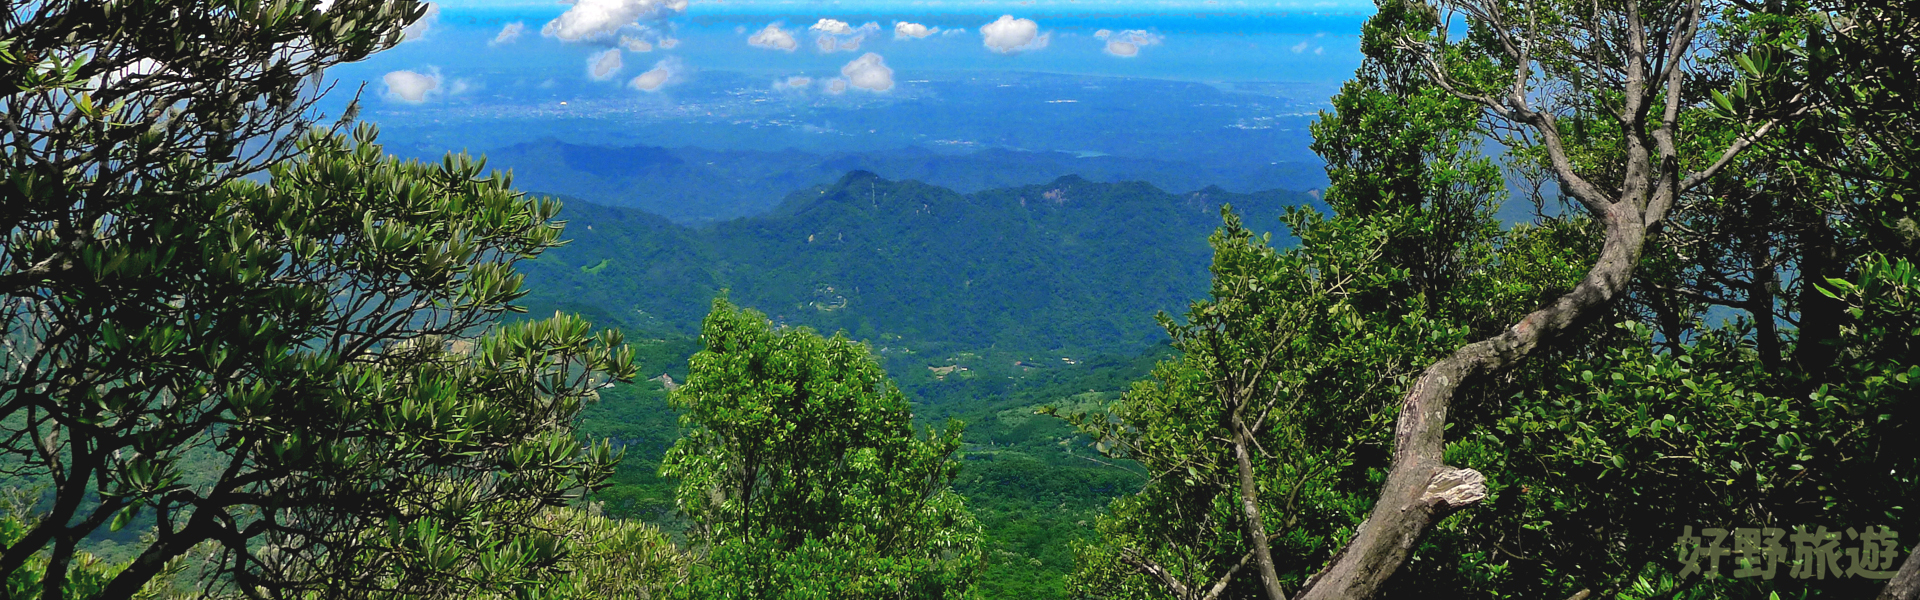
(982, 306)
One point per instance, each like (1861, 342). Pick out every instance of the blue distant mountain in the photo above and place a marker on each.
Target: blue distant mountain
(694, 185)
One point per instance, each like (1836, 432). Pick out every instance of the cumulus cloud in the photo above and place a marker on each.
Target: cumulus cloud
(794, 82)
(1008, 35)
(509, 34)
(635, 44)
(668, 43)
(903, 30)
(597, 19)
(832, 27)
(602, 65)
(834, 35)
(411, 87)
(1127, 43)
(663, 72)
(419, 29)
(869, 72)
(773, 38)
(837, 86)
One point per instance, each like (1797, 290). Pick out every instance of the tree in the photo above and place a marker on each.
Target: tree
(803, 476)
(111, 103)
(1584, 424)
(296, 375)
(303, 376)
(1286, 367)
(1235, 448)
(1628, 66)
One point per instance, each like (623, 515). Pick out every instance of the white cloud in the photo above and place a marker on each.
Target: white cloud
(1008, 35)
(837, 86)
(955, 31)
(602, 65)
(1128, 42)
(835, 36)
(794, 82)
(832, 27)
(668, 43)
(662, 73)
(411, 87)
(1317, 50)
(773, 38)
(596, 19)
(418, 30)
(903, 30)
(1302, 46)
(509, 34)
(868, 72)
(635, 44)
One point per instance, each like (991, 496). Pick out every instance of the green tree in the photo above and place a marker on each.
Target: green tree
(804, 477)
(302, 376)
(112, 103)
(1597, 442)
(297, 376)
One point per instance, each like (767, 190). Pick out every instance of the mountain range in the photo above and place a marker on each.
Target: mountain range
(922, 272)
(695, 185)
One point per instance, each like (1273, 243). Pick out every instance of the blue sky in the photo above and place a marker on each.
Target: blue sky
(650, 60)
(860, 45)
(891, 6)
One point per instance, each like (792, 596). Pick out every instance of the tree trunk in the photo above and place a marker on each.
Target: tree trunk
(1250, 512)
(1905, 584)
(1420, 489)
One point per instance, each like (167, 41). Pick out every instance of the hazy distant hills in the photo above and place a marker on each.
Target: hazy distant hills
(1071, 265)
(695, 185)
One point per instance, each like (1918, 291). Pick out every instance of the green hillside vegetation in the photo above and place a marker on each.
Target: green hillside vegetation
(1029, 479)
(931, 277)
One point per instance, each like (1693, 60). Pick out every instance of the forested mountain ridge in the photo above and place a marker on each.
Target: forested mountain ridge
(1068, 266)
(698, 186)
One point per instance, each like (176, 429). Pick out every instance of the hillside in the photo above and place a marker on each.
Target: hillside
(924, 273)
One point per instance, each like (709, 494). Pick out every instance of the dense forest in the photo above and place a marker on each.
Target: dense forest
(1068, 268)
(250, 354)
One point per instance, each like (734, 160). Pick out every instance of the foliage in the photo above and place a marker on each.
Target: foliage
(116, 103)
(330, 360)
(803, 476)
